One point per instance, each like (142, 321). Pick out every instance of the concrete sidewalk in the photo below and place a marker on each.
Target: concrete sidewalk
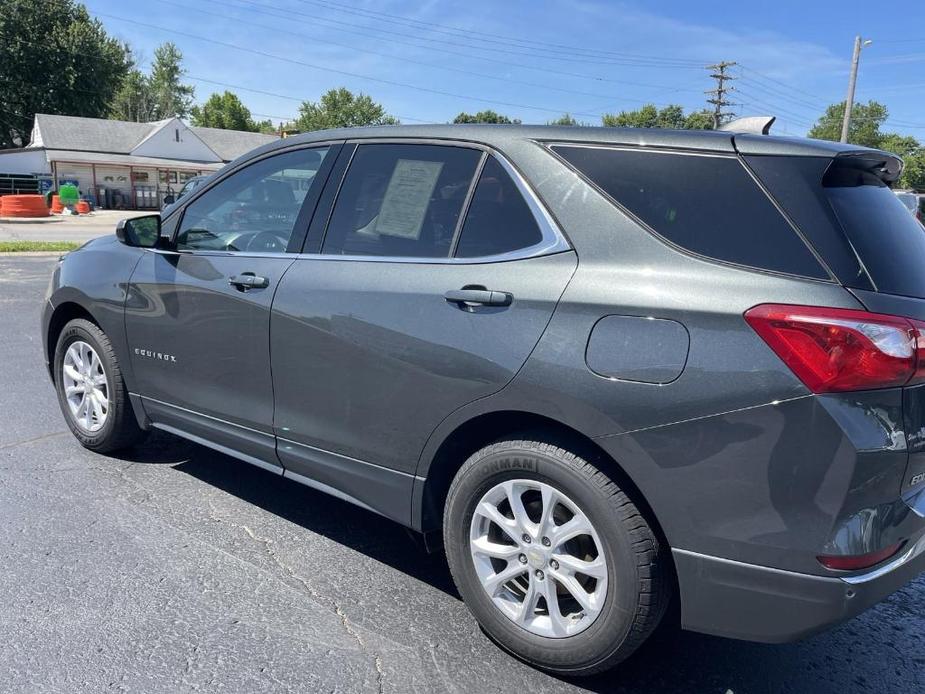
(80, 228)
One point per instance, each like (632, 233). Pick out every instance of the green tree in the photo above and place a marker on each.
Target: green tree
(698, 120)
(864, 130)
(645, 117)
(903, 145)
(143, 98)
(650, 116)
(866, 121)
(914, 171)
(171, 96)
(485, 117)
(341, 108)
(913, 154)
(564, 119)
(266, 127)
(133, 101)
(225, 111)
(75, 69)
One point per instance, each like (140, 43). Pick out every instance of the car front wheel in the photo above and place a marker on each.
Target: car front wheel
(91, 391)
(554, 560)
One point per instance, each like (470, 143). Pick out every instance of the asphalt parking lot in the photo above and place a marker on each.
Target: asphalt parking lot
(78, 228)
(176, 569)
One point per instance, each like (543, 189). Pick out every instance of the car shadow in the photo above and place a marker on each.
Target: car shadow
(361, 530)
(861, 655)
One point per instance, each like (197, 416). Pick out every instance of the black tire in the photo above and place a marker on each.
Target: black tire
(640, 579)
(120, 430)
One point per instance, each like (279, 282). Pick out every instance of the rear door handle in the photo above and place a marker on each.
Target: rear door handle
(248, 280)
(478, 297)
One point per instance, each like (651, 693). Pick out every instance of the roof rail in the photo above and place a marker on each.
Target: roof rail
(757, 125)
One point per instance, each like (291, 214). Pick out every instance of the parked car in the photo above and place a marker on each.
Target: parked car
(911, 201)
(188, 187)
(603, 368)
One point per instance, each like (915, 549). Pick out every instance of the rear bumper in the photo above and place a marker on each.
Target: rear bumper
(758, 603)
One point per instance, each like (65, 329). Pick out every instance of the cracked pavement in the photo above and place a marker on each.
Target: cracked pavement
(177, 569)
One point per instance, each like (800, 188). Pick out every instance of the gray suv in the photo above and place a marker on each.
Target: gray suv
(606, 370)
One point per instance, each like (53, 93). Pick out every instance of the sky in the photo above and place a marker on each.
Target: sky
(426, 61)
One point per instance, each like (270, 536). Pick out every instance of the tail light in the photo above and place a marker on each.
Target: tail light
(837, 349)
(859, 561)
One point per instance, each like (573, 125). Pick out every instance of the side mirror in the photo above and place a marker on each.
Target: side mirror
(141, 232)
(169, 199)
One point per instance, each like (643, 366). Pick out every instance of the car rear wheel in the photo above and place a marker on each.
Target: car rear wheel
(91, 391)
(554, 560)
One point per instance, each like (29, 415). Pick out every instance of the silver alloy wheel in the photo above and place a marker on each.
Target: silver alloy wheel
(85, 386)
(538, 558)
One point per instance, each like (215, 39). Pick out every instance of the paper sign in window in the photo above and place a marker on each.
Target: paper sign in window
(407, 197)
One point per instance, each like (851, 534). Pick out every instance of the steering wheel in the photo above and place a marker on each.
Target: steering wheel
(265, 242)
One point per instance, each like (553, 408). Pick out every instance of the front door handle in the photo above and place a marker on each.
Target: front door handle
(479, 296)
(248, 280)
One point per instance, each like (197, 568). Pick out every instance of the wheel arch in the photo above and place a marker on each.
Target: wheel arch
(434, 479)
(62, 314)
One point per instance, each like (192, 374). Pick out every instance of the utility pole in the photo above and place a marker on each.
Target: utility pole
(718, 95)
(852, 82)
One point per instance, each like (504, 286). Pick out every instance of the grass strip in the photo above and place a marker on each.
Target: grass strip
(33, 246)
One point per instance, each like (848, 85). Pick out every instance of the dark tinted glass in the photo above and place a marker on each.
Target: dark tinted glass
(796, 184)
(401, 201)
(889, 240)
(499, 219)
(706, 204)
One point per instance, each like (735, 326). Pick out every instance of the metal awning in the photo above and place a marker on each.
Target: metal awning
(106, 159)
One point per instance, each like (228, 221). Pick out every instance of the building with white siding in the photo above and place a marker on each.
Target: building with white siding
(119, 164)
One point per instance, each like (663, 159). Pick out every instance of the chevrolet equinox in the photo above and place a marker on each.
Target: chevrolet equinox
(605, 369)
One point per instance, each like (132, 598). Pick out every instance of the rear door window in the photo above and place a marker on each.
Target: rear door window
(401, 200)
(705, 204)
(498, 220)
(889, 240)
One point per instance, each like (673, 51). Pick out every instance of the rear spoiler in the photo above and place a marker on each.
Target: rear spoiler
(855, 166)
(886, 166)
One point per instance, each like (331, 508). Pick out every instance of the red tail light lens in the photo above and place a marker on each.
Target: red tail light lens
(860, 561)
(837, 349)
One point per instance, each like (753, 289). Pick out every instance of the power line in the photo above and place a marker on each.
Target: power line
(480, 75)
(778, 82)
(485, 36)
(193, 78)
(440, 48)
(279, 96)
(529, 53)
(752, 80)
(795, 118)
(347, 73)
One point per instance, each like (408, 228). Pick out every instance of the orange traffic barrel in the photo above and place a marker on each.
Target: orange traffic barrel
(56, 205)
(83, 207)
(23, 206)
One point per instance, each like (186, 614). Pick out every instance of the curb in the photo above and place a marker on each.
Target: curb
(32, 254)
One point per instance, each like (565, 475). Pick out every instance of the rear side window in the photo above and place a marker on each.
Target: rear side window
(708, 205)
(499, 219)
(401, 201)
(888, 239)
